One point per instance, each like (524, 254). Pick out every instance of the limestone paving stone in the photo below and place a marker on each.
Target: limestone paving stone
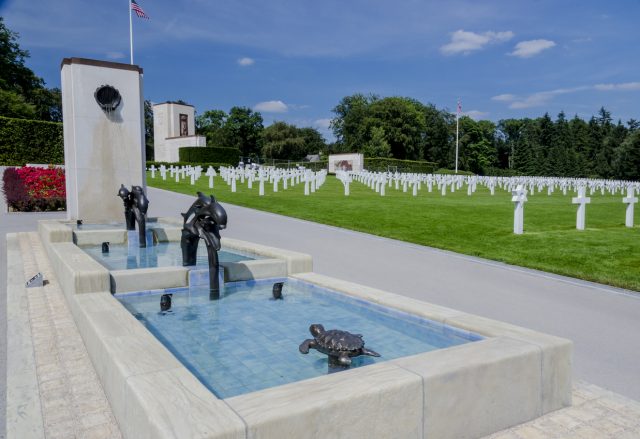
(72, 399)
(596, 413)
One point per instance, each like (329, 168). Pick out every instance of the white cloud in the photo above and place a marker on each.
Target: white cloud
(271, 107)
(115, 55)
(322, 123)
(504, 98)
(630, 86)
(465, 42)
(476, 114)
(544, 97)
(245, 62)
(527, 49)
(541, 98)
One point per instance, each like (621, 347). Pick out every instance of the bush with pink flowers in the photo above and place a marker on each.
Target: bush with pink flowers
(31, 189)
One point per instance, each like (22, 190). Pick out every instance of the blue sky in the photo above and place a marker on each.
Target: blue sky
(294, 60)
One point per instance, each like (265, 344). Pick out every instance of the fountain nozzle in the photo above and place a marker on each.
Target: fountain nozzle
(277, 290)
(165, 302)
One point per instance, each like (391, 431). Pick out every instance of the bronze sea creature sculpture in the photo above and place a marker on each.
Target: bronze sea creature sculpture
(339, 345)
(136, 205)
(204, 219)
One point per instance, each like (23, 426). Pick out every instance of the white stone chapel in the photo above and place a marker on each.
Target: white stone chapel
(173, 128)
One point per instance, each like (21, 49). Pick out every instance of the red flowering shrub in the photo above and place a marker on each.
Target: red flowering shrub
(30, 189)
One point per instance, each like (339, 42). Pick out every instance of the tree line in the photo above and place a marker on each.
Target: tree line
(243, 128)
(404, 128)
(23, 94)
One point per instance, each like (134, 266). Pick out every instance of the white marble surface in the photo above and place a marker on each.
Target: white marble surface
(478, 388)
(174, 404)
(557, 355)
(101, 150)
(377, 401)
(142, 279)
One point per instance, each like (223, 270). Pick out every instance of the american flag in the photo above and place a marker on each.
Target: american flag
(459, 106)
(138, 10)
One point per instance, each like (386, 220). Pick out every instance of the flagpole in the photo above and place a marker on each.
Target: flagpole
(457, 130)
(130, 34)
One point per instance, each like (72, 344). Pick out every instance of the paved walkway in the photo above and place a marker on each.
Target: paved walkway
(603, 322)
(596, 414)
(10, 223)
(72, 401)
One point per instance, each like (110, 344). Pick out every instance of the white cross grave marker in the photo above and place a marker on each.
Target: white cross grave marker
(582, 200)
(519, 198)
(210, 173)
(630, 200)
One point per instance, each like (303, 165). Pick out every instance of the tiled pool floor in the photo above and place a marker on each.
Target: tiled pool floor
(247, 342)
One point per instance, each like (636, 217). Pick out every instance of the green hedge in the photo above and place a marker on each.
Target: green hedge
(315, 166)
(209, 154)
(383, 165)
(452, 172)
(30, 141)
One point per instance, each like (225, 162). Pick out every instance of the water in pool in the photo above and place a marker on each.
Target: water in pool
(163, 254)
(246, 341)
(119, 226)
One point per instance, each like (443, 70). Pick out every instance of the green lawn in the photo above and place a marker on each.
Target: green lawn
(480, 225)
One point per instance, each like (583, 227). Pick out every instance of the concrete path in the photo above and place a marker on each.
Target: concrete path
(603, 322)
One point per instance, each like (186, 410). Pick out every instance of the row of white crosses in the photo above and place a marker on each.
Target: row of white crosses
(289, 177)
(178, 172)
(516, 185)
(379, 181)
(232, 176)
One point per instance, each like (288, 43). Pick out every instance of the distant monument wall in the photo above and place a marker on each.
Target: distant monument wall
(174, 128)
(103, 136)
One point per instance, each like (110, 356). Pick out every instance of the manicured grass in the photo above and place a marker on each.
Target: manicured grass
(479, 225)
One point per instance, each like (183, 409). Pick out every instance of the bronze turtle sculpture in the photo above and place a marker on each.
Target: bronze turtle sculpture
(339, 345)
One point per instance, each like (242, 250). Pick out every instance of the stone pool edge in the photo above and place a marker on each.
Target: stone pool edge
(61, 243)
(472, 390)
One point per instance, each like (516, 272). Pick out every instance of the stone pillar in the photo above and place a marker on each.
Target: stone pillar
(103, 141)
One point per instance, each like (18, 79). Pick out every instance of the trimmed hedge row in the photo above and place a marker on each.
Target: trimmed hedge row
(452, 172)
(383, 164)
(30, 141)
(315, 166)
(209, 154)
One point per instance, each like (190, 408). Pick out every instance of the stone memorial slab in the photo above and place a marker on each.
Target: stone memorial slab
(103, 135)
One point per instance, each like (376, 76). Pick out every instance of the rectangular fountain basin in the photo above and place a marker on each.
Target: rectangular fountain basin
(467, 390)
(162, 254)
(246, 341)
